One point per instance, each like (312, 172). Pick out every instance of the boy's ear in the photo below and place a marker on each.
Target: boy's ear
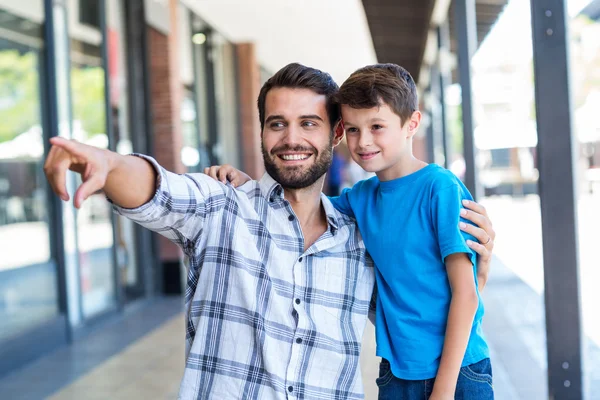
(414, 122)
(338, 132)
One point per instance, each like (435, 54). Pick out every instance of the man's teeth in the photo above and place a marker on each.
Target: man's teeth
(294, 157)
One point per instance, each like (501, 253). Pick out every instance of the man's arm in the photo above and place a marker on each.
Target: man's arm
(176, 206)
(128, 181)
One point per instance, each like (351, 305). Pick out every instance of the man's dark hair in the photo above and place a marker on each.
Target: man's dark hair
(298, 76)
(373, 85)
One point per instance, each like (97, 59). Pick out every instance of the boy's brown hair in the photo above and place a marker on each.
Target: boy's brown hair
(374, 85)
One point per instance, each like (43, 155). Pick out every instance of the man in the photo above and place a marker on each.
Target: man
(279, 284)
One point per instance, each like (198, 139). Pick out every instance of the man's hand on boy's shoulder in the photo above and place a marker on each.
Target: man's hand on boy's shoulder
(485, 235)
(225, 173)
(482, 230)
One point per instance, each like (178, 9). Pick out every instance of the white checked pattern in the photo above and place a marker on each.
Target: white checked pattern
(265, 319)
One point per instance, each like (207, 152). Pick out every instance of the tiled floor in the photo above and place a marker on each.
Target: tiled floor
(152, 367)
(68, 364)
(150, 364)
(148, 369)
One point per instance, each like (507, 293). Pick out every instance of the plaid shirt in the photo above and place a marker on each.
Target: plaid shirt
(265, 319)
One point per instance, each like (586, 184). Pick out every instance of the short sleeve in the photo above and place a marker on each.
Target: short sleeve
(446, 206)
(342, 202)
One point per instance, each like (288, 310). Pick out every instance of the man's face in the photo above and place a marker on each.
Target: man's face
(297, 142)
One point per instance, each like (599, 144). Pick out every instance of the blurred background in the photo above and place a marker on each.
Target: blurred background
(90, 305)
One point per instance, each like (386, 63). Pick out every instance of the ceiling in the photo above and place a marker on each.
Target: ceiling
(399, 28)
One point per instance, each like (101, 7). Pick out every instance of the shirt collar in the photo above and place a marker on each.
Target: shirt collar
(270, 188)
(273, 191)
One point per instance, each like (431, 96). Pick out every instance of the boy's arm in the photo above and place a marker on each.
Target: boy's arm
(463, 307)
(342, 202)
(460, 261)
(224, 173)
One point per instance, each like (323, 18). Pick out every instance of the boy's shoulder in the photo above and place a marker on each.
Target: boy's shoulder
(364, 187)
(441, 179)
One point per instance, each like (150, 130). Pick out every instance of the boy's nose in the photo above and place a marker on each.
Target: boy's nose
(365, 140)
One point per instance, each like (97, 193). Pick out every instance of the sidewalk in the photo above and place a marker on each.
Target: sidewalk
(151, 365)
(151, 368)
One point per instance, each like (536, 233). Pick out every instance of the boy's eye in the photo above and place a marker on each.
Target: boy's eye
(376, 127)
(351, 130)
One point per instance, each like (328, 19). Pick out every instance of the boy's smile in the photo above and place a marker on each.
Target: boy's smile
(365, 156)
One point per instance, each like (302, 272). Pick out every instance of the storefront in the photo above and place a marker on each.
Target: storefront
(65, 73)
(83, 69)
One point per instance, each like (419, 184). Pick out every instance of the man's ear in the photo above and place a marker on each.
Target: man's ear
(338, 132)
(414, 122)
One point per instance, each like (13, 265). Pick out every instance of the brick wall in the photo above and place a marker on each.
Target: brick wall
(249, 88)
(166, 121)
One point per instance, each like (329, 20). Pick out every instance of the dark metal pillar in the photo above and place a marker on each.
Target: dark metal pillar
(466, 28)
(443, 32)
(557, 198)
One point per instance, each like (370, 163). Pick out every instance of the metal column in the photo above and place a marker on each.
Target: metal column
(443, 33)
(557, 198)
(466, 28)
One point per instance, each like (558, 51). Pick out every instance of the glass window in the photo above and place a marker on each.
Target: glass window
(203, 90)
(130, 276)
(226, 101)
(94, 219)
(505, 133)
(190, 151)
(28, 290)
(584, 28)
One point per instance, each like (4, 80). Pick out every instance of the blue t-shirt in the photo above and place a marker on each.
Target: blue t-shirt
(410, 225)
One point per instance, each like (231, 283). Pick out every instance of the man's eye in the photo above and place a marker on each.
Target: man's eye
(275, 125)
(308, 123)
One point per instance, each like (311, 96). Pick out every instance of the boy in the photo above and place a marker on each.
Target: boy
(429, 312)
(428, 323)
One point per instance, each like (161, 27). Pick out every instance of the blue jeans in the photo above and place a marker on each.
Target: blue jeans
(474, 383)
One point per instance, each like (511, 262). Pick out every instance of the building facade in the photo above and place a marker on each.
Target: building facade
(131, 76)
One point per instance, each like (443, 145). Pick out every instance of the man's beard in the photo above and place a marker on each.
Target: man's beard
(298, 177)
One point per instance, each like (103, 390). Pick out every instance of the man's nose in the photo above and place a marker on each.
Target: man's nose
(292, 135)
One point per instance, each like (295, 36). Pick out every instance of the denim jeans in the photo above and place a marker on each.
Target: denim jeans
(474, 383)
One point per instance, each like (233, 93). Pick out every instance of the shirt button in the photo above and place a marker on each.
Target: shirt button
(299, 340)
(300, 259)
(291, 218)
(297, 301)
(290, 389)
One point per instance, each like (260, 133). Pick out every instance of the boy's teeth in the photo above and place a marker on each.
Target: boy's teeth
(292, 157)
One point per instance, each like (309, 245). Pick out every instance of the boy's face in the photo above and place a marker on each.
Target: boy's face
(377, 140)
(297, 143)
